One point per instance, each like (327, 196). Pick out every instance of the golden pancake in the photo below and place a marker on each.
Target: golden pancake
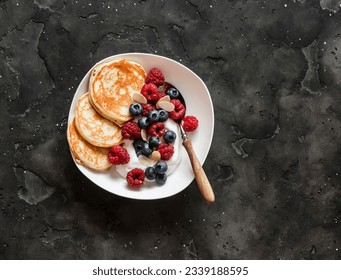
(93, 127)
(84, 153)
(111, 87)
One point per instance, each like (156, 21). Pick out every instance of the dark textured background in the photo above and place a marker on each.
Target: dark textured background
(273, 69)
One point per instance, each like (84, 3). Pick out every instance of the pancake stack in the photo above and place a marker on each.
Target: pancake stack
(102, 111)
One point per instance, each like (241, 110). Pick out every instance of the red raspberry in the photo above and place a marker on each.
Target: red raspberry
(161, 94)
(166, 151)
(179, 110)
(135, 177)
(131, 130)
(156, 129)
(146, 108)
(190, 123)
(118, 155)
(155, 76)
(150, 92)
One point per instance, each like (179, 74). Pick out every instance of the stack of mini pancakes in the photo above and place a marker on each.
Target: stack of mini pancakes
(102, 111)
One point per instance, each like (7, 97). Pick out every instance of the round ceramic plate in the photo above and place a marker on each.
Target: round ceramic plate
(198, 103)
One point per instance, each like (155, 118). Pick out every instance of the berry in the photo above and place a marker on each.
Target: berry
(161, 178)
(143, 122)
(146, 108)
(135, 177)
(163, 115)
(173, 93)
(131, 130)
(179, 110)
(150, 173)
(190, 123)
(155, 76)
(150, 92)
(138, 145)
(153, 116)
(135, 109)
(146, 150)
(156, 129)
(166, 151)
(161, 167)
(118, 155)
(161, 94)
(154, 142)
(169, 136)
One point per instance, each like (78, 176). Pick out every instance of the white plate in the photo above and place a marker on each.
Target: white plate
(198, 103)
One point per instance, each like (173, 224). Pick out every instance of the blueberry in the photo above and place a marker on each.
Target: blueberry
(154, 142)
(146, 150)
(153, 116)
(150, 173)
(169, 136)
(163, 115)
(138, 145)
(135, 109)
(161, 167)
(161, 179)
(173, 93)
(143, 122)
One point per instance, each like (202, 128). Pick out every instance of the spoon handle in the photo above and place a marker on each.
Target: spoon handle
(199, 173)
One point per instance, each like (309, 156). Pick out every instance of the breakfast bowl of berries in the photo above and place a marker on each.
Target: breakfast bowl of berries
(134, 123)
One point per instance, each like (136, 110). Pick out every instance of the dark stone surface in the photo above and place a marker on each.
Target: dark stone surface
(273, 70)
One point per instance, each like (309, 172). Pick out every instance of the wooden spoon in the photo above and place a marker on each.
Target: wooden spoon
(199, 173)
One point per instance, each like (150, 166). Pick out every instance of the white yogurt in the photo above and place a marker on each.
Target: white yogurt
(137, 162)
